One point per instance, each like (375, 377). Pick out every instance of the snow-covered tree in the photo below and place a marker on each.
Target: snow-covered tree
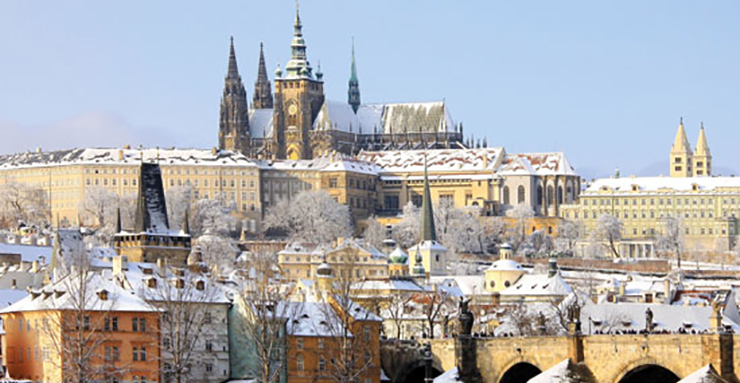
(671, 239)
(375, 233)
(217, 251)
(537, 244)
(568, 234)
(179, 200)
(406, 232)
(494, 229)
(608, 230)
(521, 214)
(212, 216)
(101, 207)
(21, 203)
(312, 216)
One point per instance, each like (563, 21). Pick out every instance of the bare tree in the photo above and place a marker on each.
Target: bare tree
(101, 205)
(265, 311)
(671, 240)
(77, 331)
(396, 308)
(608, 230)
(434, 306)
(312, 216)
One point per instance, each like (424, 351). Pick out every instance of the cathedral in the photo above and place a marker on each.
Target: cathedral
(299, 123)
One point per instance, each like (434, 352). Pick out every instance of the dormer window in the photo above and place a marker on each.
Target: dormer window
(103, 294)
(635, 188)
(695, 187)
(151, 283)
(200, 285)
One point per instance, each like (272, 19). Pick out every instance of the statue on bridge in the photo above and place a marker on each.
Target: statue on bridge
(648, 320)
(466, 317)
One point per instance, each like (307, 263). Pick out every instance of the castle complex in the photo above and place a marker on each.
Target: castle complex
(299, 123)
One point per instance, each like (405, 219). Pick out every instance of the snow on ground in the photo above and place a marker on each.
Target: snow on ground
(449, 376)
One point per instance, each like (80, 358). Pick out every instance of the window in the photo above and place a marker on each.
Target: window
(209, 367)
(300, 363)
(207, 317)
(321, 343)
(135, 354)
(135, 324)
(333, 182)
(115, 353)
(322, 364)
(114, 323)
(87, 322)
(506, 196)
(299, 343)
(520, 194)
(209, 345)
(142, 354)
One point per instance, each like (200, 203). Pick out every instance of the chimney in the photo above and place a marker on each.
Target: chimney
(14, 284)
(214, 151)
(120, 154)
(120, 264)
(667, 290)
(127, 147)
(34, 241)
(622, 288)
(35, 266)
(552, 269)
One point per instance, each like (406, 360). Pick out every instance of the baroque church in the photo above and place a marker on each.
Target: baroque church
(299, 123)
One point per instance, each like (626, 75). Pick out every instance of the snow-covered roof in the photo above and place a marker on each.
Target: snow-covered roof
(63, 294)
(28, 253)
(397, 118)
(542, 164)
(450, 376)
(505, 265)
(468, 285)
(655, 184)
(539, 285)
(438, 160)
(397, 285)
(631, 316)
(564, 372)
(114, 156)
(327, 162)
(312, 319)
(260, 123)
(137, 278)
(706, 374)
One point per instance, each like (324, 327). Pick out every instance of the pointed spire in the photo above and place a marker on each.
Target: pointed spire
(702, 147)
(298, 66)
(233, 71)
(681, 143)
(353, 94)
(428, 232)
(262, 98)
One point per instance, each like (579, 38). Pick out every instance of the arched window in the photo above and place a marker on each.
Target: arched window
(540, 200)
(506, 195)
(560, 194)
(520, 194)
(300, 363)
(550, 195)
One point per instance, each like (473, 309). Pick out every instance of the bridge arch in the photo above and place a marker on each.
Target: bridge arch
(519, 371)
(646, 371)
(415, 371)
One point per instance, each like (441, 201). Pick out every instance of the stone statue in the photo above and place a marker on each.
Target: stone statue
(465, 317)
(649, 320)
(541, 323)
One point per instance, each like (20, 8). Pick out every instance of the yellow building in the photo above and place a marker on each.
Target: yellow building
(349, 259)
(707, 207)
(486, 178)
(684, 162)
(504, 272)
(68, 175)
(349, 181)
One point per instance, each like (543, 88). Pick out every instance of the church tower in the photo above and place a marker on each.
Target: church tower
(233, 132)
(702, 156)
(298, 100)
(262, 98)
(681, 156)
(353, 94)
(430, 253)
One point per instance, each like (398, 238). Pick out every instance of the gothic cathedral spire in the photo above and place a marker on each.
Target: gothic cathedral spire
(262, 98)
(233, 131)
(353, 94)
(298, 66)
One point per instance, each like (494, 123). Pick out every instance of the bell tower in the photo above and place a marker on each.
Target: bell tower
(702, 156)
(233, 132)
(298, 99)
(681, 156)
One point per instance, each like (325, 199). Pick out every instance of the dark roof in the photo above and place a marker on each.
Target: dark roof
(151, 207)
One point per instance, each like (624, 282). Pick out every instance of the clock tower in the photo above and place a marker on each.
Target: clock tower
(299, 96)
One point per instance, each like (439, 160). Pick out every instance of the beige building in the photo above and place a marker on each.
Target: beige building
(707, 207)
(684, 162)
(67, 175)
(488, 178)
(349, 259)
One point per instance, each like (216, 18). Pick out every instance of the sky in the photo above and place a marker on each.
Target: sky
(603, 81)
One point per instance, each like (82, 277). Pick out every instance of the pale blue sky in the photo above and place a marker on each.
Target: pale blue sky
(604, 81)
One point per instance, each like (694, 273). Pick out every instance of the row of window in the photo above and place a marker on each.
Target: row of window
(224, 183)
(652, 214)
(660, 201)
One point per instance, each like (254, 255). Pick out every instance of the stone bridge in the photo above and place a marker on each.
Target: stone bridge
(605, 358)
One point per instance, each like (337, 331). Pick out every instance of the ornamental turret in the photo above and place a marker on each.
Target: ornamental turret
(681, 156)
(702, 156)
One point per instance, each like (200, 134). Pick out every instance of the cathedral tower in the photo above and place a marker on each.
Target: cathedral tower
(681, 156)
(702, 156)
(233, 133)
(262, 98)
(430, 253)
(353, 94)
(298, 99)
